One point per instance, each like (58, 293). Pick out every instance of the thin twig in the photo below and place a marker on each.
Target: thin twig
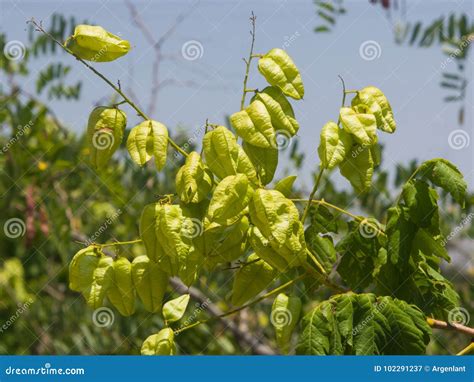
(438, 324)
(248, 61)
(105, 79)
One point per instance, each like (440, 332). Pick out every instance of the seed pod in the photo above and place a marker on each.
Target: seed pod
(280, 110)
(285, 314)
(226, 245)
(175, 233)
(225, 156)
(161, 343)
(280, 71)
(334, 144)
(193, 180)
(277, 219)
(254, 125)
(104, 134)
(149, 138)
(360, 124)
(229, 201)
(121, 292)
(94, 43)
(150, 283)
(265, 161)
(90, 273)
(264, 250)
(251, 279)
(378, 105)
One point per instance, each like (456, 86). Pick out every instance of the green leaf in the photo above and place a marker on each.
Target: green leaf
(225, 157)
(174, 309)
(400, 233)
(285, 185)
(362, 126)
(364, 324)
(149, 138)
(251, 279)
(322, 219)
(193, 180)
(229, 201)
(150, 283)
(362, 254)
(280, 110)
(429, 245)
(121, 292)
(377, 104)
(254, 125)
(161, 343)
(265, 161)
(284, 317)
(444, 174)
(421, 201)
(334, 145)
(279, 70)
(358, 168)
(321, 247)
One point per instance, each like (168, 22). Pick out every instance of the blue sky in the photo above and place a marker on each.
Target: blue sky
(409, 77)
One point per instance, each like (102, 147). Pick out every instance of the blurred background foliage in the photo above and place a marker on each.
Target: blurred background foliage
(47, 183)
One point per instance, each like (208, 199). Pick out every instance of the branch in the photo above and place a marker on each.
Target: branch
(105, 79)
(256, 346)
(248, 61)
(438, 324)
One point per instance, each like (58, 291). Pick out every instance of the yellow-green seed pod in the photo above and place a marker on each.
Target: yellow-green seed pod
(104, 134)
(193, 180)
(94, 43)
(285, 314)
(280, 70)
(161, 343)
(149, 138)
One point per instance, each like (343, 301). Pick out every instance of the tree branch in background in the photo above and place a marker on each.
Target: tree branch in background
(157, 45)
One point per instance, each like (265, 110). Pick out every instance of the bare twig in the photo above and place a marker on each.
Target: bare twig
(157, 44)
(438, 324)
